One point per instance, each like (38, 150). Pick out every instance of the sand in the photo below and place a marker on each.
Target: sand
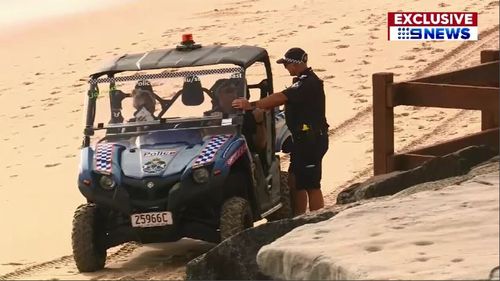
(46, 66)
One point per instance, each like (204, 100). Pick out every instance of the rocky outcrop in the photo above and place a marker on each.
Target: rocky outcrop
(235, 258)
(489, 166)
(443, 234)
(451, 165)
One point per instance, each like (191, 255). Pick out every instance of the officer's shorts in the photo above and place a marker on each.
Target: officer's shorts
(305, 161)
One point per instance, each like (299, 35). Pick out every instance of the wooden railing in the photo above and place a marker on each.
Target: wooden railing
(473, 88)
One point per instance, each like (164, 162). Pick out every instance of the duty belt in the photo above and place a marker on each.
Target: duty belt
(306, 128)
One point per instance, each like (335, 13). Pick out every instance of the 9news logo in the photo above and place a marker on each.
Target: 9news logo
(429, 26)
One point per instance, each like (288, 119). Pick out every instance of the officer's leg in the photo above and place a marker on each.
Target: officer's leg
(314, 193)
(315, 199)
(298, 197)
(298, 180)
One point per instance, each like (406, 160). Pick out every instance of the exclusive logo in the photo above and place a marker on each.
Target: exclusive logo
(432, 26)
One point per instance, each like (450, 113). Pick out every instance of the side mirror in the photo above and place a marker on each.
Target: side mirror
(192, 91)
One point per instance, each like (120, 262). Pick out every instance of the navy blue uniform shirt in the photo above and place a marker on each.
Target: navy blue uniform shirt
(306, 103)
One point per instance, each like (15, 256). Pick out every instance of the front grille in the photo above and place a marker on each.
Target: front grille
(138, 189)
(137, 192)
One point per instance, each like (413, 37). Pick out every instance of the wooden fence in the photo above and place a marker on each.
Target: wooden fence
(473, 88)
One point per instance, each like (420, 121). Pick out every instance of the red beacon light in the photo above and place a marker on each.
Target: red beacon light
(188, 43)
(187, 38)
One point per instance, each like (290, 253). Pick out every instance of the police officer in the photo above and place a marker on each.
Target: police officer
(305, 117)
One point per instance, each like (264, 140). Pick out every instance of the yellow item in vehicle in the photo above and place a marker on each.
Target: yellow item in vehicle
(305, 127)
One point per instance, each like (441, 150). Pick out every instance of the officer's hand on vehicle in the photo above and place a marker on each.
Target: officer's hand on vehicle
(241, 103)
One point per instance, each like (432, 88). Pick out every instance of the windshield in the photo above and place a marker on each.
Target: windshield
(174, 95)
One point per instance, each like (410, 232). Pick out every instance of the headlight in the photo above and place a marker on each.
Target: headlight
(107, 182)
(200, 175)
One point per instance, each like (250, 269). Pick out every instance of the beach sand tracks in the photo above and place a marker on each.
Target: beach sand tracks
(464, 55)
(342, 46)
(65, 263)
(492, 5)
(407, 57)
(234, 10)
(4, 90)
(29, 270)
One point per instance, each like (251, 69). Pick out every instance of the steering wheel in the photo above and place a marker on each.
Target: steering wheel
(165, 104)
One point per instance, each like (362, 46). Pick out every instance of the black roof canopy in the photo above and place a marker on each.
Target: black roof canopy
(243, 56)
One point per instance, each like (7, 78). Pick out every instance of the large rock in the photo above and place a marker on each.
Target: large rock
(489, 166)
(454, 164)
(235, 258)
(451, 233)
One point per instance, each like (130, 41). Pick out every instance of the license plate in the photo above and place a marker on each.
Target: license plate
(151, 219)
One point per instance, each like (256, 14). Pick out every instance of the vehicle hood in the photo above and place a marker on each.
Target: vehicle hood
(162, 160)
(148, 156)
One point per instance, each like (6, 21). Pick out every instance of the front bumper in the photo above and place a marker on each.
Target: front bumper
(193, 207)
(167, 194)
(170, 233)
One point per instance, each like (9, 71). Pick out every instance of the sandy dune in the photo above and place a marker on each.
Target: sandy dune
(43, 87)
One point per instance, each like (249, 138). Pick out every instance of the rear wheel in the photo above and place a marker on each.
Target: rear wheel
(236, 216)
(286, 210)
(88, 253)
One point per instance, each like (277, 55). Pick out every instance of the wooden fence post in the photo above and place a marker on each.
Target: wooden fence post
(489, 55)
(383, 124)
(489, 119)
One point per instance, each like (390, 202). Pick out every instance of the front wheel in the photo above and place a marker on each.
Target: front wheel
(236, 216)
(88, 253)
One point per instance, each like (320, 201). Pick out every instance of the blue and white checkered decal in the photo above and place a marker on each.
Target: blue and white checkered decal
(103, 158)
(207, 154)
